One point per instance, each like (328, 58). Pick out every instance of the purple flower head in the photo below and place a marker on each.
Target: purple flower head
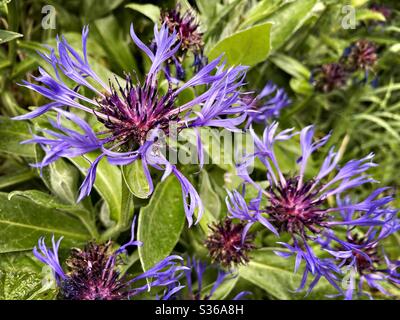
(301, 207)
(133, 116)
(267, 104)
(93, 273)
(328, 77)
(360, 55)
(362, 254)
(187, 28)
(228, 244)
(195, 288)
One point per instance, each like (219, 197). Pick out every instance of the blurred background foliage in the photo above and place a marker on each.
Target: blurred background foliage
(302, 34)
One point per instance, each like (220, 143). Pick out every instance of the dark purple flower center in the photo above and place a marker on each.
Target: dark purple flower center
(186, 27)
(362, 55)
(251, 101)
(226, 245)
(368, 258)
(294, 209)
(133, 111)
(92, 275)
(329, 77)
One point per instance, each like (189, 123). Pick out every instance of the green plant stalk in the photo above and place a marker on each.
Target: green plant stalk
(13, 19)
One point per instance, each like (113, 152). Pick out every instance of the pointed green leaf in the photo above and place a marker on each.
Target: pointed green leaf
(18, 285)
(260, 11)
(209, 196)
(136, 180)
(211, 201)
(367, 14)
(23, 222)
(288, 19)
(149, 10)
(247, 47)
(49, 201)
(160, 223)
(275, 275)
(93, 9)
(6, 36)
(291, 66)
(113, 40)
(62, 179)
(12, 133)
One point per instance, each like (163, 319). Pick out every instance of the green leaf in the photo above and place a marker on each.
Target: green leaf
(288, 19)
(208, 195)
(247, 47)
(20, 261)
(93, 9)
(214, 151)
(23, 222)
(4, 2)
(395, 48)
(269, 272)
(136, 180)
(112, 38)
(6, 36)
(160, 223)
(379, 122)
(225, 288)
(18, 285)
(216, 16)
(291, 66)
(301, 86)
(367, 14)
(12, 133)
(16, 176)
(358, 3)
(60, 177)
(275, 275)
(260, 11)
(207, 9)
(48, 201)
(108, 182)
(149, 10)
(23, 67)
(41, 199)
(210, 200)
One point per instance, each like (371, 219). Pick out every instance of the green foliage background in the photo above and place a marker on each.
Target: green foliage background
(282, 41)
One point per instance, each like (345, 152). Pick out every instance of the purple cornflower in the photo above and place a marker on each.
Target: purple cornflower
(360, 55)
(226, 244)
(329, 76)
(301, 206)
(93, 272)
(362, 254)
(195, 289)
(134, 115)
(188, 34)
(267, 104)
